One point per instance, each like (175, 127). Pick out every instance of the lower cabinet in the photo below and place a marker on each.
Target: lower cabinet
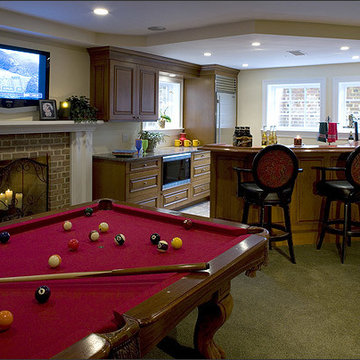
(139, 181)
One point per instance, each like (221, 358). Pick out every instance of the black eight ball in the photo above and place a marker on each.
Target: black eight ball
(155, 238)
(42, 294)
(4, 237)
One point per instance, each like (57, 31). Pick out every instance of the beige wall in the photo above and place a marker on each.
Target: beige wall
(70, 75)
(250, 92)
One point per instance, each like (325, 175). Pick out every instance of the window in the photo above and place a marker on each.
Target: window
(347, 99)
(294, 105)
(170, 103)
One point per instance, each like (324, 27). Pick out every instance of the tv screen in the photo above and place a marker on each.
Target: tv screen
(24, 76)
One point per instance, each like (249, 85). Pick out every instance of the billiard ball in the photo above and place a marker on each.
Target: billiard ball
(103, 227)
(187, 224)
(54, 260)
(6, 319)
(94, 235)
(4, 237)
(119, 239)
(73, 244)
(67, 225)
(176, 243)
(162, 246)
(155, 238)
(42, 294)
(88, 211)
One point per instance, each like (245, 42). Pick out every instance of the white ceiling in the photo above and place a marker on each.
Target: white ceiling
(193, 27)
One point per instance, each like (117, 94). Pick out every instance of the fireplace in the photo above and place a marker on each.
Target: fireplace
(68, 146)
(24, 187)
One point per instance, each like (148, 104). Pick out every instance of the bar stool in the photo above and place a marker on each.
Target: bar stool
(274, 170)
(346, 191)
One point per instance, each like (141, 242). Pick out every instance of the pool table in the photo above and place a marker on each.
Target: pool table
(119, 316)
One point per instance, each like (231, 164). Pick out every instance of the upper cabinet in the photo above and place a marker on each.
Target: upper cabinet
(124, 84)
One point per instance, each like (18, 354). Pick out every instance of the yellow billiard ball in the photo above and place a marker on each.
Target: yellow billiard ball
(67, 225)
(176, 243)
(103, 227)
(54, 260)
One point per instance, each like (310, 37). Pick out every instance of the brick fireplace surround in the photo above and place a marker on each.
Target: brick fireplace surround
(69, 146)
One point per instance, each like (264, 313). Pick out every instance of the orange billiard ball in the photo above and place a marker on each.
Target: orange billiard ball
(6, 319)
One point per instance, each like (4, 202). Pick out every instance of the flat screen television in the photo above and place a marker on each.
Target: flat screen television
(24, 76)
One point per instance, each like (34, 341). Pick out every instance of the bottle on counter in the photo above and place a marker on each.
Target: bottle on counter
(351, 138)
(264, 138)
(236, 136)
(247, 139)
(274, 135)
(270, 136)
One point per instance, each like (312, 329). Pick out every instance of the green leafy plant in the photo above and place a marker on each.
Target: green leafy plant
(153, 137)
(81, 110)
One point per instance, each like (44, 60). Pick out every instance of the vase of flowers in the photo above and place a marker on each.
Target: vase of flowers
(163, 119)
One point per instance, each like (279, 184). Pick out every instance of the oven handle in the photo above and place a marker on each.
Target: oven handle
(176, 157)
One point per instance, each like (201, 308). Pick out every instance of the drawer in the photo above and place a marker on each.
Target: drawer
(201, 155)
(176, 198)
(200, 188)
(150, 201)
(201, 170)
(144, 165)
(144, 181)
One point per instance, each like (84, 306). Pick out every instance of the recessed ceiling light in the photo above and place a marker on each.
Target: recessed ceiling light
(245, 65)
(344, 48)
(207, 53)
(255, 43)
(157, 28)
(355, 57)
(172, 75)
(100, 11)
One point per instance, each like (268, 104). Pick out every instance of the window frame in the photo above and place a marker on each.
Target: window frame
(311, 132)
(336, 99)
(178, 79)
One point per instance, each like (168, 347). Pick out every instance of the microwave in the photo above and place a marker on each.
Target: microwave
(176, 170)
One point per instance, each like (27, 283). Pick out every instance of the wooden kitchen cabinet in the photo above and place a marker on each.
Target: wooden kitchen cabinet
(123, 90)
(137, 182)
(200, 175)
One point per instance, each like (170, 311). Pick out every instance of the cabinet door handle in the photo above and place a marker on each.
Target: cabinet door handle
(145, 182)
(145, 165)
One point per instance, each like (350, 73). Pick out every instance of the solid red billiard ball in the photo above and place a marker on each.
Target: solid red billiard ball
(187, 224)
(6, 319)
(73, 244)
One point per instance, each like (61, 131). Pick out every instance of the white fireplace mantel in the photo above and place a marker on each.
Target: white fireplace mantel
(81, 150)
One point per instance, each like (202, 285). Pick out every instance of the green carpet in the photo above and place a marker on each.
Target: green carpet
(304, 311)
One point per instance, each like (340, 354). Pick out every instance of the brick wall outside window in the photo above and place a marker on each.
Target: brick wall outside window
(57, 146)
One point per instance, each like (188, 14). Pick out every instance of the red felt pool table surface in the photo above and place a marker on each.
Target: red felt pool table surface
(79, 307)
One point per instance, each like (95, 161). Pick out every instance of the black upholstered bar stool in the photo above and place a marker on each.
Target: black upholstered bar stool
(346, 191)
(274, 170)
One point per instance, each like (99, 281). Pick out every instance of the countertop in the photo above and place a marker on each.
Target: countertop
(158, 152)
(224, 148)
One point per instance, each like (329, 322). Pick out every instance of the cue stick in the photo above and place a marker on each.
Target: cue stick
(115, 272)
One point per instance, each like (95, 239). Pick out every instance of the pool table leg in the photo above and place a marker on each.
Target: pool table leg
(212, 315)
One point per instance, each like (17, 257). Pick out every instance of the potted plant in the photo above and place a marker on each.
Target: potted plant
(81, 110)
(154, 138)
(163, 119)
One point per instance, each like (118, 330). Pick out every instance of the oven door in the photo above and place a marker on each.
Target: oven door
(176, 170)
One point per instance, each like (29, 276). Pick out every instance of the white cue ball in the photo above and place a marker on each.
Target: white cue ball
(103, 227)
(54, 261)
(67, 225)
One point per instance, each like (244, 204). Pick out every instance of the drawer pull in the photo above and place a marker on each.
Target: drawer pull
(145, 182)
(145, 165)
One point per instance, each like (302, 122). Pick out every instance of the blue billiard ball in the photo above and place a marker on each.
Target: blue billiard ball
(4, 237)
(42, 294)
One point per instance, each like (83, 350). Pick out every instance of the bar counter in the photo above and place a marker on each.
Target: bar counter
(305, 206)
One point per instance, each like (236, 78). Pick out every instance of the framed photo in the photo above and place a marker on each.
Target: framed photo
(47, 109)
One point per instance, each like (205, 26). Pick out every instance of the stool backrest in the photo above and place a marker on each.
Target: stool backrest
(353, 168)
(275, 168)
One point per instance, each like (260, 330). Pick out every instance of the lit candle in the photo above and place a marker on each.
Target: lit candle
(8, 196)
(19, 199)
(2, 201)
(297, 140)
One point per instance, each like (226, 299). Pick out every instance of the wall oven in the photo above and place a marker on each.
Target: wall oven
(176, 170)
